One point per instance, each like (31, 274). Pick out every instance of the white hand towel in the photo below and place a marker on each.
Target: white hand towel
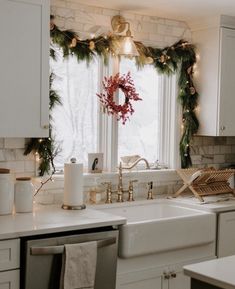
(79, 266)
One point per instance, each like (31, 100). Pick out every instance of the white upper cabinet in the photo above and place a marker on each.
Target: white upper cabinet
(24, 68)
(215, 78)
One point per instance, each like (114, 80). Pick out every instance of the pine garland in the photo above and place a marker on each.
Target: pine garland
(178, 57)
(45, 147)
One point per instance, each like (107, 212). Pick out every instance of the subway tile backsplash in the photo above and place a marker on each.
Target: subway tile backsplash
(205, 151)
(12, 157)
(213, 151)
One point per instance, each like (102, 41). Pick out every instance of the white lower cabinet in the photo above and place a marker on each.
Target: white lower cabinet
(226, 234)
(150, 283)
(154, 278)
(10, 264)
(161, 271)
(9, 254)
(144, 279)
(10, 279)
(179, 281)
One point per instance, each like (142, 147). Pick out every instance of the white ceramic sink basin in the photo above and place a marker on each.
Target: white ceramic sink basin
(161, 226)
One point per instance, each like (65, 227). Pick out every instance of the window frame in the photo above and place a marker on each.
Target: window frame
(107, 134)
(170, 122)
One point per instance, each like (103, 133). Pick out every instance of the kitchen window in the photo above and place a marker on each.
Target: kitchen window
(81, 127)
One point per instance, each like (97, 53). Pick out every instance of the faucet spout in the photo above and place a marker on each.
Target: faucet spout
(136, 162)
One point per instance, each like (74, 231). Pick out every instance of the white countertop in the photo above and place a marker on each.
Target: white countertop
(215, 204)
(218, 272)
(51, 219)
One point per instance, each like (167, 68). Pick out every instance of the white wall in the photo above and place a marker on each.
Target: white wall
(152, 30)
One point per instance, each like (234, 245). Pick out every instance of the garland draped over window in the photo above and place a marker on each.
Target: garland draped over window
(180, 57)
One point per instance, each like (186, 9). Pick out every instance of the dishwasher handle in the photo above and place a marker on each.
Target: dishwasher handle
(53, 250)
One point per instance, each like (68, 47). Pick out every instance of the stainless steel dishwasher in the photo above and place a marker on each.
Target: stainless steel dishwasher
(42, 257)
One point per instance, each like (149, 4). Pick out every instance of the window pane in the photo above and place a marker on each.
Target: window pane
(75, 122)
(140, 135)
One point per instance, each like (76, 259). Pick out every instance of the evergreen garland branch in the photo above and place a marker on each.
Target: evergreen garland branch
(45, 147)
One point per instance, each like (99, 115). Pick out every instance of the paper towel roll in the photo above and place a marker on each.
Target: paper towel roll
(73, 184)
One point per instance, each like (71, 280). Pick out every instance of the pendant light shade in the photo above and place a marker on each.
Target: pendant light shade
(127, 45)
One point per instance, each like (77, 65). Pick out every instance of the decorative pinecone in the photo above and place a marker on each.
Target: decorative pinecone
(73, 42)
(192, 90)
(92, 45)
(148, 60)
(163, 58)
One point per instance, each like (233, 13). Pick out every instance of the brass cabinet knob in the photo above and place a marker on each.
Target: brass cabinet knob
(166, 276)
(46, 126)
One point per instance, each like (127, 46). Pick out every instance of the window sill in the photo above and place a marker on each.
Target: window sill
(161, 177)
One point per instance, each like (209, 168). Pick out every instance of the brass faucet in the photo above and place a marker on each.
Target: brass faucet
(120, 191)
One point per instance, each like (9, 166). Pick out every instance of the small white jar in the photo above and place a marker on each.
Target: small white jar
(23, 195)
(6, 192)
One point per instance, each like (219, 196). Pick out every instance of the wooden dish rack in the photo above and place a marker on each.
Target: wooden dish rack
(205, 182)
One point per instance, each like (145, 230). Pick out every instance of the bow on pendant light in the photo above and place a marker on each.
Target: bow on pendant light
(126, 46)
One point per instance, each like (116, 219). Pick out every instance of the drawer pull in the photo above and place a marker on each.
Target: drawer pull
(52, 250)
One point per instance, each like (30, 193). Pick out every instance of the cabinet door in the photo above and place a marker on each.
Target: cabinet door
(9, 254)
(151, 278)
(24, 68)
(226, 235)
(180, 281)
(154, 283)
(10, 279)
(226, 125)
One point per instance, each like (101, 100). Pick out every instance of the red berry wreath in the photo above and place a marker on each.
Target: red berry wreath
(107, 98)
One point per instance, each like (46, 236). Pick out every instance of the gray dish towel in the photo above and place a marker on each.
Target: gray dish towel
(79, 266)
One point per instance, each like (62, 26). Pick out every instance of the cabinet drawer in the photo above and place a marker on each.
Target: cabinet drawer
(10, 279)
(9, 255)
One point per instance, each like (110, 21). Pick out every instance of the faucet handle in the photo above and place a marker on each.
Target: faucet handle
(131, 190)
(131, 182)
(150, 191)
(108, 192)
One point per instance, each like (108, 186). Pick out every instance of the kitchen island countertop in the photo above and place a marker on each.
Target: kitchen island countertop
(218, 273)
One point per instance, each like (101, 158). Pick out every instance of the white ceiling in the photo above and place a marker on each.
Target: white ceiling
(186, 10)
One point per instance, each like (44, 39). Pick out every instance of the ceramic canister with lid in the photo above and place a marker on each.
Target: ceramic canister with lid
(23, 195)
(6, 192)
